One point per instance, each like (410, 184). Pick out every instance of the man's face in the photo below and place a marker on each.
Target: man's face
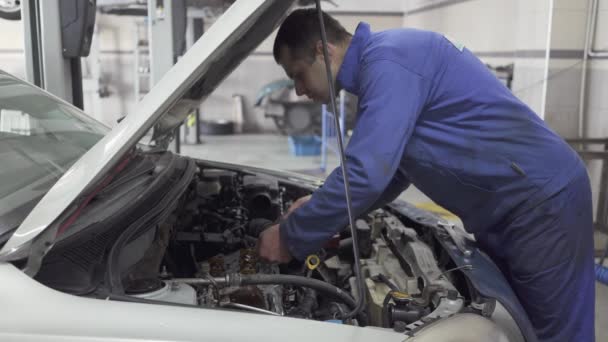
(308, 74)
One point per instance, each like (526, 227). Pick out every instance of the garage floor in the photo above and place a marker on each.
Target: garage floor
(272, 151)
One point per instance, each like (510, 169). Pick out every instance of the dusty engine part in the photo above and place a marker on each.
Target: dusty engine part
(216, 266)
(212, 180)
(274, 298)
(208, 187)
(403, 310)
(290, 297)
(260, 197)
(364, 233)
(385, 262)
(248, 261)
(307, 303)
(248, 295)
(376, 293)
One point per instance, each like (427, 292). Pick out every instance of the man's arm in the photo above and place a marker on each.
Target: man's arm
(390, 100)
(392, 191)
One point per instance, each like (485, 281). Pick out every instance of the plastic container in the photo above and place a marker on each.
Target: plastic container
(306, 145)
(172, 293)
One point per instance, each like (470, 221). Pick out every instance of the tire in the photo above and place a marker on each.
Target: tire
(217, 127)
(11, 12)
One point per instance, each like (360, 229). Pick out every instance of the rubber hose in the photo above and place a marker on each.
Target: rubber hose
(321, 286)
(601, 274)
(284, 279)
(388, 283)
(385, 310)
(346, 243)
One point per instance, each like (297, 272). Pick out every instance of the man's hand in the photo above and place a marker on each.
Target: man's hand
(298, 203)
(270, 246)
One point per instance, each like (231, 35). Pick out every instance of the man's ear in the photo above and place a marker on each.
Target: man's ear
(319, 49)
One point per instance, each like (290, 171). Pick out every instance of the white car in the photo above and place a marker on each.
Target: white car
(103, 239)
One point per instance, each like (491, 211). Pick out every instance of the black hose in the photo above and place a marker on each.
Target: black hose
(321, 286)
(388, 283)
(385, 310)
(285, 279)
(346, 243)
(282, 279)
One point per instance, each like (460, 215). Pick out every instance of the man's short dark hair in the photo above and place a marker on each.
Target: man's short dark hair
(300, 32)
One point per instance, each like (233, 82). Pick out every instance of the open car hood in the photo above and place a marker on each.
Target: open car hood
(213, 57)
(251, 31)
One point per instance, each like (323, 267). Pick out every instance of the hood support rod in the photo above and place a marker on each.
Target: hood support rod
(360, 285)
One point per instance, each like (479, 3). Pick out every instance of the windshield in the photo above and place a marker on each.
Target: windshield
(40, 138)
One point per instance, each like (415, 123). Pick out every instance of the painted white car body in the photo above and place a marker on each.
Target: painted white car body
(33, 312)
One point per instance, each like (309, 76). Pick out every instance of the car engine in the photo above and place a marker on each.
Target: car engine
(205, 255)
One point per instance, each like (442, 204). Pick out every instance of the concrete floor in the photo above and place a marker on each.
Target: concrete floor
(272, 151)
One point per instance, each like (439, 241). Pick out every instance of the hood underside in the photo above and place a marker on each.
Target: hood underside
(211, 59)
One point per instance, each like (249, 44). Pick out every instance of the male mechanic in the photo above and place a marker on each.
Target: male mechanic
(431, 114)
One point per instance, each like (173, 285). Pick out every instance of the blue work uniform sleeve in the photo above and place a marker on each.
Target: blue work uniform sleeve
(391, 98)
(397, 185)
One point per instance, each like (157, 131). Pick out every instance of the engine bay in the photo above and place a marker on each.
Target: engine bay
(207, 257)
(185, 233)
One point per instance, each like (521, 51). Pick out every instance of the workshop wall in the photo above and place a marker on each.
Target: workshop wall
(110, 67)
(498, 32)
(483, 26)
(597, 86)
(596, 101)
(260, 68)
(565, 61)
(12, 57)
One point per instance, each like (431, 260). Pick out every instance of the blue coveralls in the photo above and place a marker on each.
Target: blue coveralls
(431, 114)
